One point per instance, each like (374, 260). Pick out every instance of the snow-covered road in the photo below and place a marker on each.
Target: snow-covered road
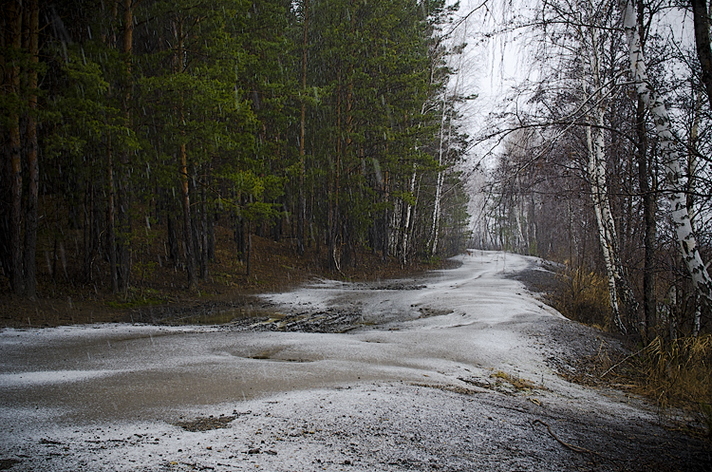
(448, 372)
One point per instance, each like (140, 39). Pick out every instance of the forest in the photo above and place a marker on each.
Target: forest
(138, 133)
(152, 145)
(603, 162)
(134, 131)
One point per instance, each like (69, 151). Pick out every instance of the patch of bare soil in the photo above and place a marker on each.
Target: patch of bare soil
(207, 423)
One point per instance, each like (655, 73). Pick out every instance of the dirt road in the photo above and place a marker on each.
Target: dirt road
(453, 371)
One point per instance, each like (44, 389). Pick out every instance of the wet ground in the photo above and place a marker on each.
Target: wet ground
(453, 371)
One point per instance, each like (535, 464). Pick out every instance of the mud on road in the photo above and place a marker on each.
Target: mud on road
(457, 371)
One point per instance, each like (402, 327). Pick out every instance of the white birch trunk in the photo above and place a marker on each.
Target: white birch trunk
(433, 243)
(435, 230)
(408, 216)
(444, 146)
(670, 160)
(521, 223)
(604, 218)
(394, 235)
(621, 296)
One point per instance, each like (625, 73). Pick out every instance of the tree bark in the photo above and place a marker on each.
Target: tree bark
(405, 235)
(334, 220)
(111, 218)
(248, 251)
(435, 226)
(124, 191)
(187, 220)
(31, 212)
(700, 16)
(622, 300)
(13, 41)
(650, 224)
(607, 235)
(183, 169)
(203, 236)
(302, 210)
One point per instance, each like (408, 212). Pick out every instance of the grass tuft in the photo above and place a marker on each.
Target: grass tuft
(517, 383)
(678, 372)
(583, 296)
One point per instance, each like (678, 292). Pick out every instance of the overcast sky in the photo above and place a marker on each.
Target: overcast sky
(498, 58)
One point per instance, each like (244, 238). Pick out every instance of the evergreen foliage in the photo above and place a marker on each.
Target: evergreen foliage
(185, 115)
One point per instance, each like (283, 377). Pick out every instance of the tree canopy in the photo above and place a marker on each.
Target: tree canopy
(130, 124)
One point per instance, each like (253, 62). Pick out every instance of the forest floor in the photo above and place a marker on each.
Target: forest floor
(459, 369)
(159, 293)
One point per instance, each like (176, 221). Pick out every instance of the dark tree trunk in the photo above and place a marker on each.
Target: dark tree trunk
(13, 41)
(700, 16)
(124, 190)
(240, 238)
(248, 255)
(302, 210)
(111, 220)
(277, 229)
(187, 221)
(31, 212)
(211, 237)
(173, 248)
(92, 232)
(649, 210)
(202, 238)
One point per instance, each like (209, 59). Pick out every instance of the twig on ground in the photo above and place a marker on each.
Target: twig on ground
(621, 362)
(563, 443)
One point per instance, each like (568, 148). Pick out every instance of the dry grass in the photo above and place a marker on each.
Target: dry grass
(678, 373)
(675, 374)
(518, 383)
(583, 296)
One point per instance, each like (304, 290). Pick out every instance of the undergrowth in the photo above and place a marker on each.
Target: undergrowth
(675, 374)
(678, 373)
(583, 296)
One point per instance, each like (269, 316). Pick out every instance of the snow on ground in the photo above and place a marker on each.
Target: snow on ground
(447, 372)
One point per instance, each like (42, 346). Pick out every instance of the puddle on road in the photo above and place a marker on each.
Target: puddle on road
(272, 355)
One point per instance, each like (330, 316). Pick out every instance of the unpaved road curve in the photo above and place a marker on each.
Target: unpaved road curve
(450, 372)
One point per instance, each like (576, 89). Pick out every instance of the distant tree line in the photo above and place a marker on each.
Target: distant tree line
(317, 121)
(609, 167)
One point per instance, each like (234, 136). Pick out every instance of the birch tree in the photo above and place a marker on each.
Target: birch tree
(619, 291)
(581, 35)
(680, 213)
